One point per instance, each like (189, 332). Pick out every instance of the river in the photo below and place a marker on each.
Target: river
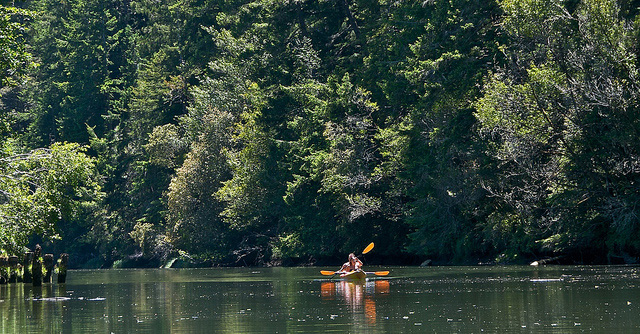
(492, 299)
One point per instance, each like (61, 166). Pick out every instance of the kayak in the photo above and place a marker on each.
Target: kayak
(354, 275)
(357, 274)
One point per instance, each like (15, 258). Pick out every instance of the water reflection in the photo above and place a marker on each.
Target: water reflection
(293, 300)
(360, 296)
(28, 309)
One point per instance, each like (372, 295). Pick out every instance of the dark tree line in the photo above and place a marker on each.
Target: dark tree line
(284, 132)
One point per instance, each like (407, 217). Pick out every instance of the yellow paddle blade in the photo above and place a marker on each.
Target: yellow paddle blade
(381, 273)
(327, 272)
(368, 249)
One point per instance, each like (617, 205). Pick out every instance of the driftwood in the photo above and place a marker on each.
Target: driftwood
(545, 261)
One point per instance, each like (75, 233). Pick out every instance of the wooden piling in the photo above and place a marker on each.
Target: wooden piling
(4, 263)
(31, 269)
(62, 268)
(36, 266)
(20, 273)
(26, 267)
(48, 268)
(13, 269)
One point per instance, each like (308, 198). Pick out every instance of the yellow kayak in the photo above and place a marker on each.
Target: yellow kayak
(354, 275)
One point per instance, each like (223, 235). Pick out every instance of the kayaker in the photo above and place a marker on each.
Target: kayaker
(353, 264)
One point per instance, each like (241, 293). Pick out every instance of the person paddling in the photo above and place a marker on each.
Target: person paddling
(354, 264)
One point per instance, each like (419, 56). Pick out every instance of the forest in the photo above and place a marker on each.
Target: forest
(141, 133)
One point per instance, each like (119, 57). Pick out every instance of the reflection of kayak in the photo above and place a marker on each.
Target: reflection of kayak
(332, 289)
(354, 275)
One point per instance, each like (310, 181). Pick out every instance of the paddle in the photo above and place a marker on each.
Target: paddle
(377, 273)
(327, 272)
(368, 249)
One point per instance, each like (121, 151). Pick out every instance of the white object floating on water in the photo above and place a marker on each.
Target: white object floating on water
(545, 280)
(51, 299)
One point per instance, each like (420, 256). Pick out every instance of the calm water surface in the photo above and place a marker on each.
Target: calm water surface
(598, 299)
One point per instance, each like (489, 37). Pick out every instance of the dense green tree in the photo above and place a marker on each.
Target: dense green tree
(167, 48)
(43, 190)
(194, 224)
(77, 44)
(562, 117)
(448, 47)
(15, 59)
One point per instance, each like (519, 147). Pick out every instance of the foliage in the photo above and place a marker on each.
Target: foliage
(193, 218)
(42, 188)
(560, 119)
(15, 59)
(242, 132)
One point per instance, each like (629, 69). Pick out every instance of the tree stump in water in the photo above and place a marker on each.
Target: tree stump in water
(62, 268)
(26, 267)
(37, 267)
(48, 268)
(13, 269)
